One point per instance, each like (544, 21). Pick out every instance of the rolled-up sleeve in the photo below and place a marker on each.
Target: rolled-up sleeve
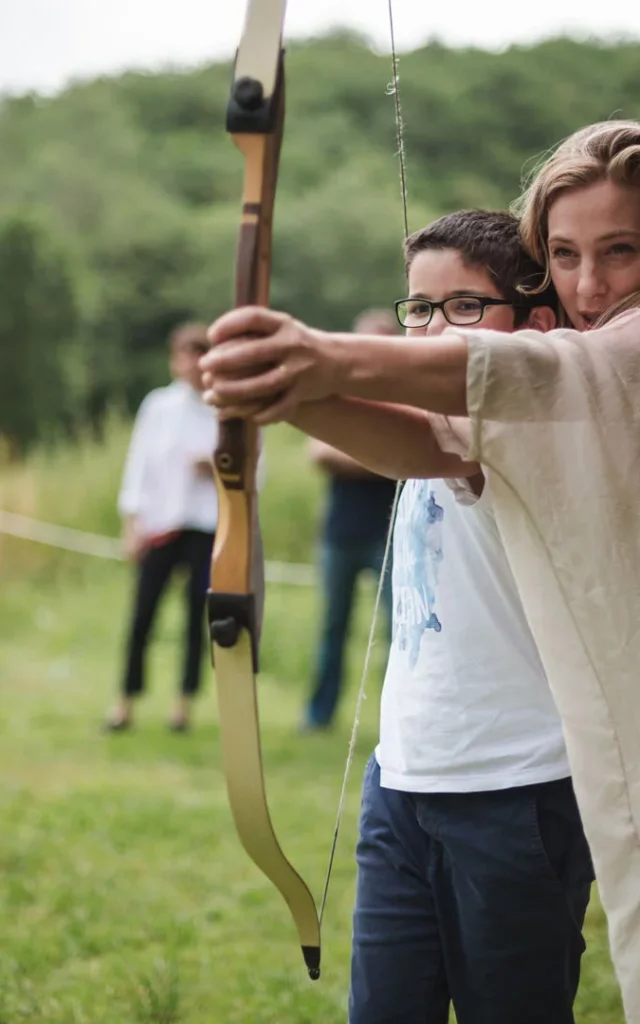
(562, 377)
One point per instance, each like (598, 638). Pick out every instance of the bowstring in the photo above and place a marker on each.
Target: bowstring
(392, 90)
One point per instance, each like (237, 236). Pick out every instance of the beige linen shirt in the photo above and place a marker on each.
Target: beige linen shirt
(554, 419)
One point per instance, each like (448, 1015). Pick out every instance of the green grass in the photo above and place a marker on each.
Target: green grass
(124, 895)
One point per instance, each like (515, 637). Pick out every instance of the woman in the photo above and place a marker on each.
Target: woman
(555, 422)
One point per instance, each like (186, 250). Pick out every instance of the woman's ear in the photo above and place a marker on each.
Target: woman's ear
(541, 318)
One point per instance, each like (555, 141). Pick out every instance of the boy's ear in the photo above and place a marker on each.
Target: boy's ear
(542, 318)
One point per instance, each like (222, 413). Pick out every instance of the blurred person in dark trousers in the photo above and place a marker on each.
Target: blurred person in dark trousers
(354, 534)
(169, 507)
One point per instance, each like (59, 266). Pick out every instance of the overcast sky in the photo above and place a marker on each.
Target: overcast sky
(45, 43)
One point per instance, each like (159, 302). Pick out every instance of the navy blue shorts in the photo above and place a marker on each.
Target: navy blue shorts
(475, 899)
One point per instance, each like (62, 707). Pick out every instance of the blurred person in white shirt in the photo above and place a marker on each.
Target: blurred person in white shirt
(169, 507)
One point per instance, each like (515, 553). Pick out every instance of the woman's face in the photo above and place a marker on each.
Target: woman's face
(594, 248)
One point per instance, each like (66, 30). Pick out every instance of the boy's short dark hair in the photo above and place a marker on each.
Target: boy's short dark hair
(489, 239)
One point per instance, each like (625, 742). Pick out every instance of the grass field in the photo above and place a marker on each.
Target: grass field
(124, 895)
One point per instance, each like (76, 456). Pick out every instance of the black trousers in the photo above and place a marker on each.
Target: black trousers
(190, 550)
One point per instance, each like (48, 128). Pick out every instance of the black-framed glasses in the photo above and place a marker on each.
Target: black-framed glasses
(459, 310)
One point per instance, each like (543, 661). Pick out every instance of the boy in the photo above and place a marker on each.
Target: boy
(474, 874)
(169, 506)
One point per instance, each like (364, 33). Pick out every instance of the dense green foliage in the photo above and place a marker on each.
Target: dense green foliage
(131, 186)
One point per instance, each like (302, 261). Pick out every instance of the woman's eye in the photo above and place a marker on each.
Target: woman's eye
(562, 253)
(621, 249)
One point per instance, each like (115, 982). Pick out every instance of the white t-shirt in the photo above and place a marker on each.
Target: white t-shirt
(174, 429)
(465, 705)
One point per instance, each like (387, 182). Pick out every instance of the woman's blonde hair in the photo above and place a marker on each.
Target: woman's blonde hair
(606, 151)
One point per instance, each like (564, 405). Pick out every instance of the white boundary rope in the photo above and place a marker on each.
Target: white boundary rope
(294, 574)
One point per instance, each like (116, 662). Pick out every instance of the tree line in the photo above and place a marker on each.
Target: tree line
(119, 199)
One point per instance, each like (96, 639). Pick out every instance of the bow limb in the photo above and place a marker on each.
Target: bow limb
(255, 120)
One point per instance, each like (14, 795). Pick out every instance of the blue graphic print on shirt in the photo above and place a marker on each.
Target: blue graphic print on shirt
(417, 554)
